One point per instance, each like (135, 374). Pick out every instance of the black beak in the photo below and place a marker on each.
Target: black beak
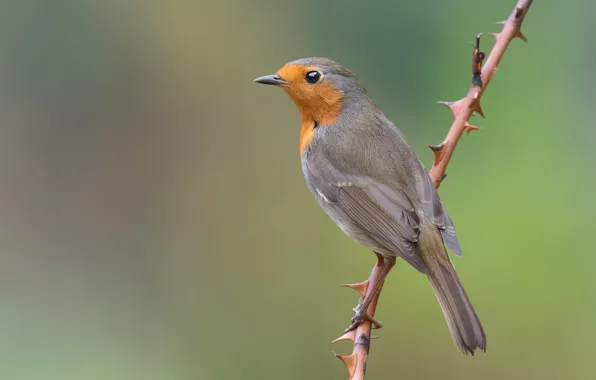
(274, 80)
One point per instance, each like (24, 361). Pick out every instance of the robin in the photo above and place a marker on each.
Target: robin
(367, 178)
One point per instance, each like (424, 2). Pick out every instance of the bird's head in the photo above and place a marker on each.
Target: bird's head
(318, 86)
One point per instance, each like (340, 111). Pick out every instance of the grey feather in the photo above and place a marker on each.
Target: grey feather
(434, 208)
(372, 213)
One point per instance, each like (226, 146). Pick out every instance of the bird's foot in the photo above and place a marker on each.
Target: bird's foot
(361, 316)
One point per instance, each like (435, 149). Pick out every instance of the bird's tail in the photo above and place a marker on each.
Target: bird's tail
(463, 322)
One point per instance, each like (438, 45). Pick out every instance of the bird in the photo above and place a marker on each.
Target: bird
(364, 174)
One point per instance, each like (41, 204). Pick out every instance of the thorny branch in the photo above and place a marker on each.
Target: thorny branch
(462, 111)
(465, 107)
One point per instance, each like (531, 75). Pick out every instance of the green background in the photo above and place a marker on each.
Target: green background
(154, 222)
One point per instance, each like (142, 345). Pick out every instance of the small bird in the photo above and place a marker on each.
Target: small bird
(366, 177)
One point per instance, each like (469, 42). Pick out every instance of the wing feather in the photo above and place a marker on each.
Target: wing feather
(384, 214)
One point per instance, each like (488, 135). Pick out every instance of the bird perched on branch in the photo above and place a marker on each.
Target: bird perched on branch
(366, 177)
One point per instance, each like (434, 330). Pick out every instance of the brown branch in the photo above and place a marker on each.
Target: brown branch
(465, 107)
(462, 111)
(357, 361)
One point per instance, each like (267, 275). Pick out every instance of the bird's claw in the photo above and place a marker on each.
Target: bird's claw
(360, 317)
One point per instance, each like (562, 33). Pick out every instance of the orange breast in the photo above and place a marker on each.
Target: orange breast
(307, 134)
(323, 109)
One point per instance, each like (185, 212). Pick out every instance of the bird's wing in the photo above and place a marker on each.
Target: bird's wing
(384, 214)
(434, 209)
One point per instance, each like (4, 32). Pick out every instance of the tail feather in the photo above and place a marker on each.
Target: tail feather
(463, 322)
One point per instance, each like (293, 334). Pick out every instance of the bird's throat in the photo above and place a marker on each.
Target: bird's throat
(322, 113)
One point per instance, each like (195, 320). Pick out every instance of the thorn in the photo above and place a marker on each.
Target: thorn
(374, 337)
(446, 104)
(475, 105)
(437, 151)
(350, 335)
(520, 35)
(469, 128)
(478, 109)
(349, 361)
(495, 36)
(501, 22)
(360, 287)
(453, 106)
(436, 148)
(444, 176)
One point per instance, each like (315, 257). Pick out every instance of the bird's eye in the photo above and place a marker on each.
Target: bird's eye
(313, 77)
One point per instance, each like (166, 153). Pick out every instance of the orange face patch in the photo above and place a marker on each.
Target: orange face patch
(320, 102)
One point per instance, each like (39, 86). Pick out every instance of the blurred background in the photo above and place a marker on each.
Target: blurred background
(155, 224)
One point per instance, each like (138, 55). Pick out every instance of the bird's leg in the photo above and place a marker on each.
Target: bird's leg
(375, 284)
